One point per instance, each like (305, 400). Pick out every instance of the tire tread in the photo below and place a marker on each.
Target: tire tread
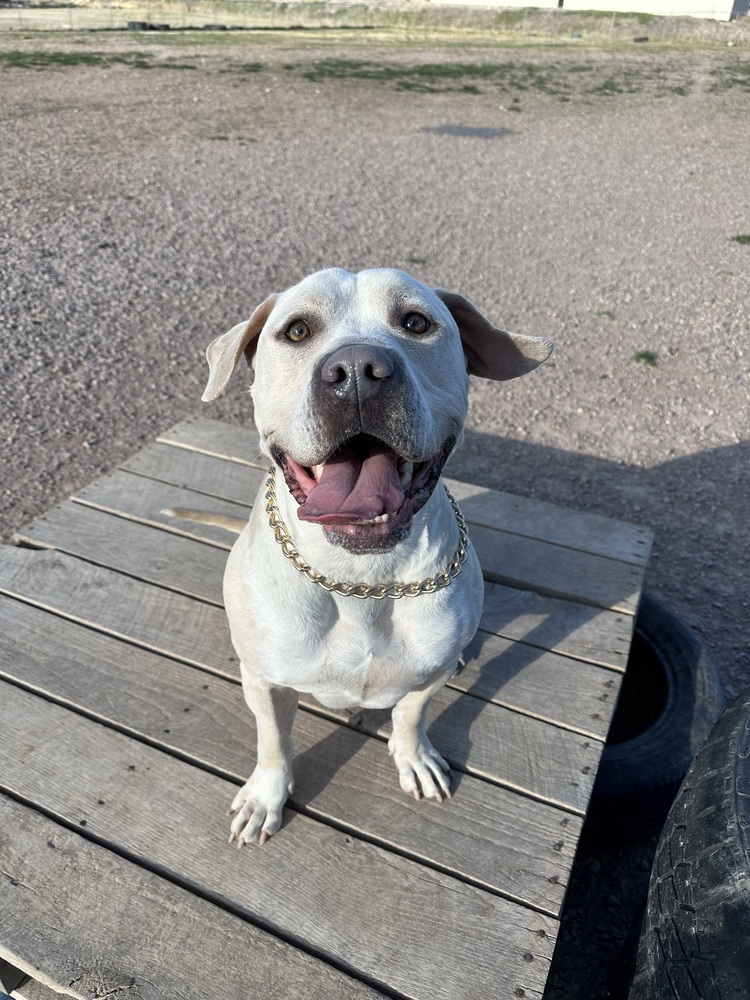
(694, 938)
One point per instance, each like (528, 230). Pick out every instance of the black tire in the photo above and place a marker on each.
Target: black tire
(695, 938)
(670, 698)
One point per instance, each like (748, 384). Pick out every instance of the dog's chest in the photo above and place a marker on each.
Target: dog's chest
(369, 656)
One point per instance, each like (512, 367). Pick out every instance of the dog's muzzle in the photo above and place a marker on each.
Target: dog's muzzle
(366, 491)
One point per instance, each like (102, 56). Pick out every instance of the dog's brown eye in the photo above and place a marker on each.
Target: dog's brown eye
(416, 323)
(298, 330)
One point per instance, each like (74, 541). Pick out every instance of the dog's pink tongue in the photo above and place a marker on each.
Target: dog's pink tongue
(354, 488)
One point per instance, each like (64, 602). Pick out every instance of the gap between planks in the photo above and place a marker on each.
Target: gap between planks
(605, 634)
(478, 678)
(525, 562)
(178, 628)
(183, 940)
(494, 838)
(233, 444)
(283, 888)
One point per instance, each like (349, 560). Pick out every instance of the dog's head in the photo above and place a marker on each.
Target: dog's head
(361, 392)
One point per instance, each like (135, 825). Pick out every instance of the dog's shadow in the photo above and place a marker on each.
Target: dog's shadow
(316, 767)
(686, 485)
(452, 719)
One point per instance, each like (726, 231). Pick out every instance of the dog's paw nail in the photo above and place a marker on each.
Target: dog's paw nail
(263, 837)
(416, 794)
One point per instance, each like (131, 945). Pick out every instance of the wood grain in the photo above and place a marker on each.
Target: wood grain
(547, 522)
(314, 884)
(144, 500)
(506, 842)
(585, 633)
(506, 557)
(182, 564)
(214, 477)
(547, 762)
(87, 923)
(214, 437)
(546, 685)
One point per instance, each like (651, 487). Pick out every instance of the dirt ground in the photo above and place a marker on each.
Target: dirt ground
(155, 188)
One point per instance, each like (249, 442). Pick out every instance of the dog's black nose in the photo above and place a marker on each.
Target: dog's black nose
(357, 370)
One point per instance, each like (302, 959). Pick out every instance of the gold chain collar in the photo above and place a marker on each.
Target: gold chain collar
(363, 590)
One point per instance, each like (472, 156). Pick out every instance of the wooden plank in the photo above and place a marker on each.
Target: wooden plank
(214, 437)
(513, 845)
(121, 606)
(546, 685)
(184, 565)
(90, 924)
(520, 752)
(197, 472)
(313, 884)
(144, 500)
(576, 630)
(192, 568)
(556, 571)
(481, 738)
(515, 675)
(33, 990)
(600, 637)
(547, 522)
(520, 562)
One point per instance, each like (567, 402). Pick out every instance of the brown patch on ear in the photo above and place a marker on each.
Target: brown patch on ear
(490, 352)
(224, 353)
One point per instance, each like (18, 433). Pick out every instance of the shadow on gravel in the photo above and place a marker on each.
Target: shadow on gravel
(697, 505)
(468, 131)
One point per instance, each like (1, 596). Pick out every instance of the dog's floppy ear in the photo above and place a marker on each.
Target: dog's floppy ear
(493, 353)
(224, 353)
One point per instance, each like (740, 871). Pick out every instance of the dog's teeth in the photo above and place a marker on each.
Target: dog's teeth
(318, 470)
(406, 472)
(381, 519)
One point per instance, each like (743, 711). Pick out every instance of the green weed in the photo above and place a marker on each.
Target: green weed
(250, 67)
(47, 60)
(607, 88)
(737, 74)
(43, 60)
(645, 358)
(442, 76)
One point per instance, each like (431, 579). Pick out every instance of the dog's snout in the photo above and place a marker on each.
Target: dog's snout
(357, 369)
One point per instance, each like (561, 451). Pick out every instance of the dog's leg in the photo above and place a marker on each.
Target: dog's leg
(257, 807)
(421, 769)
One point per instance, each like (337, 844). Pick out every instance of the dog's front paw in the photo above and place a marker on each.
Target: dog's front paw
(257, 807)
(421, 769)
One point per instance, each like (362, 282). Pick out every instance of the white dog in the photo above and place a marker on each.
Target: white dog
(360, 392)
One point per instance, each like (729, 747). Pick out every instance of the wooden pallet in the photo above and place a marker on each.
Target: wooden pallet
(124, 735)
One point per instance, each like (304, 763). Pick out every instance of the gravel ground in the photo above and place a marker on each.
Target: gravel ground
(590, 196)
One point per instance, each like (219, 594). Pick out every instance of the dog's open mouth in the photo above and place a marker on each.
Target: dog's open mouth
(364, 494)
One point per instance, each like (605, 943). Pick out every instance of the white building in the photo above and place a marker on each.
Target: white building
(717, 10)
